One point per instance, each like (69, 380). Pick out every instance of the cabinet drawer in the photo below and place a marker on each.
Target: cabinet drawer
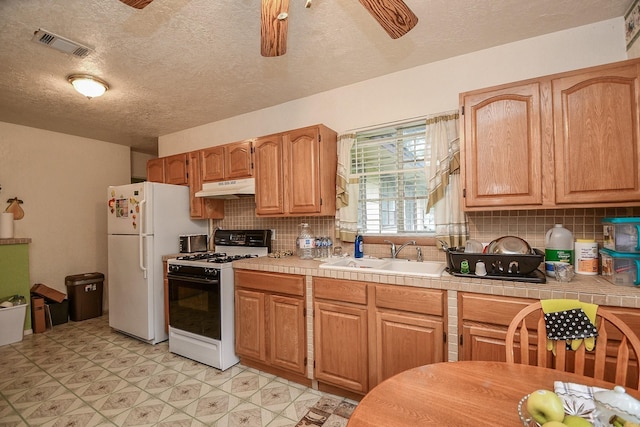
(491, 309)
(289, 284)
(340, 290)
(416, 300)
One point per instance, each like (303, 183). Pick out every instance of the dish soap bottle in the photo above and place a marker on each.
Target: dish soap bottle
(558, 248)
(306, 242)
(358, 251)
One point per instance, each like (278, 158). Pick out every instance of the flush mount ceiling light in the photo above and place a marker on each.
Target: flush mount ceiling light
(87, 85)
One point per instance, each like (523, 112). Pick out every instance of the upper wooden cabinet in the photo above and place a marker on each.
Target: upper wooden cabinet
(560, 141)
(295, 173)
(503, 146)
(228, 161)
(169, 170)
(595, 114)
(155, 170)
(199, 207)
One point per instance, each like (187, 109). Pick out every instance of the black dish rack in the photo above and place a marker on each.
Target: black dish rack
(513, 267)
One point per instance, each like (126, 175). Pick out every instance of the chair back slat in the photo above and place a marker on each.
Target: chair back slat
(613, 334)
(560, 359)
(580, 358)
(524, 343)
(623, 365)
(542, 341)
(600, 351)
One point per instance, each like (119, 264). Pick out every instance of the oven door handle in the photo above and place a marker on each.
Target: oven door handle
(192, 279)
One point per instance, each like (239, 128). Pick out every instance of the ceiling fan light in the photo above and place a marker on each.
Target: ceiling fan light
(87, 85)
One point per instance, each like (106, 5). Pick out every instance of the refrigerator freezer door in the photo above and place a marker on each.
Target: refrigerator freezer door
(131, 296)
(126, 206)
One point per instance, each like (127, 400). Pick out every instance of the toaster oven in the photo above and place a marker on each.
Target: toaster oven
(193, 243)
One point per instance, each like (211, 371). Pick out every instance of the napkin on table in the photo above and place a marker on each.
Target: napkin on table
(578, 399)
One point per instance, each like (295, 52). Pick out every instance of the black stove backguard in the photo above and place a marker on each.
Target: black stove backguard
(244, 238)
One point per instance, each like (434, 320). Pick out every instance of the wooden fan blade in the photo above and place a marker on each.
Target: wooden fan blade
(394, 15)
(138, 4)
(273, 30)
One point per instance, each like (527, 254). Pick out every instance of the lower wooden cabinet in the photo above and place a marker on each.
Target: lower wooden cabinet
(483, 321)
(482, 325)
(270, 330)
(365, 333)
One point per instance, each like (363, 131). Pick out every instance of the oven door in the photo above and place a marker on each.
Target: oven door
(194, 305)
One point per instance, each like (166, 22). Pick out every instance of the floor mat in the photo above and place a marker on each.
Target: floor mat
(328, 412)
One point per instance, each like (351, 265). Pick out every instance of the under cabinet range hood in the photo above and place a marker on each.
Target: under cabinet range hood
(228, 189)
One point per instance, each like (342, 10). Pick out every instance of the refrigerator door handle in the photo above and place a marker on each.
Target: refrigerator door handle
(141, 237)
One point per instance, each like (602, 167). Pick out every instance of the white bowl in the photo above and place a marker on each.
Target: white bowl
(616, 402)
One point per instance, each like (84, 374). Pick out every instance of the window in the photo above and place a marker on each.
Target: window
(390, 165)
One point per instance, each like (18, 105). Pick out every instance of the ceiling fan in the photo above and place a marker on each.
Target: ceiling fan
(394, 16)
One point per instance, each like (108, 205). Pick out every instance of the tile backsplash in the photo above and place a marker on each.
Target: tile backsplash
(531, 225)
(241, 214)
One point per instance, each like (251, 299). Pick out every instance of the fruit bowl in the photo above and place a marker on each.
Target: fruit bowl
(528, 421)
(525, 417)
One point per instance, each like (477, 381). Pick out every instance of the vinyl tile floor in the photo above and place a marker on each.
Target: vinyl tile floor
(85, 374)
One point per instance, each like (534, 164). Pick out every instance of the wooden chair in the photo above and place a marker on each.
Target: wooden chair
(614, 344)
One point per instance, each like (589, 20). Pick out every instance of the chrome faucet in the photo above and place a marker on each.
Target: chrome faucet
(394, 252)
(419, 254)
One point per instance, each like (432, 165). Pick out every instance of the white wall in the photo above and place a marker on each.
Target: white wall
(139, 164)
(63, 182)
(418, 91)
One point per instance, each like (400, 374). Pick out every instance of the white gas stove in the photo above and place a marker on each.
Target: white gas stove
(201, 297)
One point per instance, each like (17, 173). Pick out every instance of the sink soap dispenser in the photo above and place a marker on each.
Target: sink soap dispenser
(358, 251)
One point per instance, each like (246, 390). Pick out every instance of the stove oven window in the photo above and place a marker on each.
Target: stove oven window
(195, 307)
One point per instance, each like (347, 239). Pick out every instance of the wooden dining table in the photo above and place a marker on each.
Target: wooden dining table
(469, 393)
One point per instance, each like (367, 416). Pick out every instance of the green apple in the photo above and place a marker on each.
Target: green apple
(576, 421)
(554, 424)
(545, 406)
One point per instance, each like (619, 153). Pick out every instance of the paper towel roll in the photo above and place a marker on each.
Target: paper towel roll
(6, 225)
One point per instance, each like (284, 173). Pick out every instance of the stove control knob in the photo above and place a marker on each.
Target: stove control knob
(174, 267)
(211, 272)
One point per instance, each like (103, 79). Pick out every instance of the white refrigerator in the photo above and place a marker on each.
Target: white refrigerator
(145, 221)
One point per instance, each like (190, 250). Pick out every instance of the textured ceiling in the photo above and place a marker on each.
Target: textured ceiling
(181, 63)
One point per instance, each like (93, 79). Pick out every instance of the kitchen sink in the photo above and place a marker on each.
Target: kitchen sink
(387, 266)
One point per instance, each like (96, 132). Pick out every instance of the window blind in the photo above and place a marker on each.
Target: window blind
(390, 165)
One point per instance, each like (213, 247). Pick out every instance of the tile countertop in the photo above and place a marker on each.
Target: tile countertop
(594, 289)
(15, 241)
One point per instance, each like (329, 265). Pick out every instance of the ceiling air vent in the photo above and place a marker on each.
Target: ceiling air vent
(60, 43)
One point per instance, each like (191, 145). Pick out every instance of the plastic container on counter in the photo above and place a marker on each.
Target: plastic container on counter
(620, 268)
(558, 248)
(586, 257)
(621, 234)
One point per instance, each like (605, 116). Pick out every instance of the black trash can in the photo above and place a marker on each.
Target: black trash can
(85, 295)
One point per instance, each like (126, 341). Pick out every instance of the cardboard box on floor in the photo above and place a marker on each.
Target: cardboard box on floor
(47, 292)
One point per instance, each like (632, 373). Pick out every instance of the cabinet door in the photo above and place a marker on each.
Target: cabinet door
(175, 168)
(287, 336)
(340, 345)
(250, 324)
(238, 162)
(597, 155)
(483, 342)
(406, 341)
(502, 147)
(268, 173)
(303, 170)
(212, 164)
(155, 170)
(201, 207)
(196, 204)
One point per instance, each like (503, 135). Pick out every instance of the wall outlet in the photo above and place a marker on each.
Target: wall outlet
(273, 234)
